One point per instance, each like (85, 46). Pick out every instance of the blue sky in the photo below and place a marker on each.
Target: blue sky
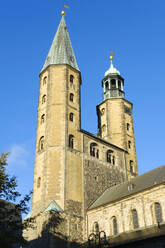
(134, 30)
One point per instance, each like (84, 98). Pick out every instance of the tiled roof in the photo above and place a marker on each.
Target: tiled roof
(135, 185)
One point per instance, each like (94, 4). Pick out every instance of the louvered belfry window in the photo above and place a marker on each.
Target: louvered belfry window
(135, 219)
(158, 212)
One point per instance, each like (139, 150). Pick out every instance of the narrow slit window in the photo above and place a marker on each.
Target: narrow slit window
(71, 141)
(71, 117)
(43, 99)
(114, 222)
(41, 144)
(42, 118)
(158, 212)
(71, 97)
(135, 219)
(45, 80)
(71, 79)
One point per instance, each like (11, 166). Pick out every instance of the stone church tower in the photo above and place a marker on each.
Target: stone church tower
(72, 166)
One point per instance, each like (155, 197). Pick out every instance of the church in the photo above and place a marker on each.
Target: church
(87, 185)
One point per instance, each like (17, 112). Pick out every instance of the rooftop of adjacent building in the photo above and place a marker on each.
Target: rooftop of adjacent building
(133, 186)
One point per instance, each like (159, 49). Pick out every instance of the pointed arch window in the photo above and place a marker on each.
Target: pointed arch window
(71, 141)
(71, 117)
(135, 219)
(41, 144)
(71, 97)
(114, 223)
(158, 212)
(43, 99)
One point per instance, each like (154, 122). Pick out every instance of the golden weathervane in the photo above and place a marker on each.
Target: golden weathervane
(63, 12)
(112, 55)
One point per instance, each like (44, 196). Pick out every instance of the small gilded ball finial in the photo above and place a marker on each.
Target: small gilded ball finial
(111, 58)
(63, 13)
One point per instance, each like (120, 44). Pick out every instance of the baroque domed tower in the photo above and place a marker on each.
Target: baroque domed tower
(115, 118)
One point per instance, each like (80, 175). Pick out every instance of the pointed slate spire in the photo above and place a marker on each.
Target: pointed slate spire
(61, 51)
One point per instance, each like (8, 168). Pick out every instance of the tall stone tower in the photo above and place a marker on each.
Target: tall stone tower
(115, 119)
(58, 123)
(72, 166)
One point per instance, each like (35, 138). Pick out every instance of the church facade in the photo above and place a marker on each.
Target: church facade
(86, 183)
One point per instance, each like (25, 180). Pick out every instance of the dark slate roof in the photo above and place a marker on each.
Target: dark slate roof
(61, 51)
(139, 183)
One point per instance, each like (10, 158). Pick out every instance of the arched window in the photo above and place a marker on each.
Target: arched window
(158, 212)
(103, 128)
(71, 116)
(114, 223)
(71, 141)
(109, 156)
(71, 79)
(42, 118)
(41, 144)
(106, 85)
(119, 84)
(102, 111)
(96, 227)
(135, 219)
(113, 84)
(44, 80)
(71, 97)
(43, 99)
(38, 182)
(94, 152)
(129, 144)
(131, 166)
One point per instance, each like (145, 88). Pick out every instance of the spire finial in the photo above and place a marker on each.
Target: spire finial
(111, 57)
(63, 13)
